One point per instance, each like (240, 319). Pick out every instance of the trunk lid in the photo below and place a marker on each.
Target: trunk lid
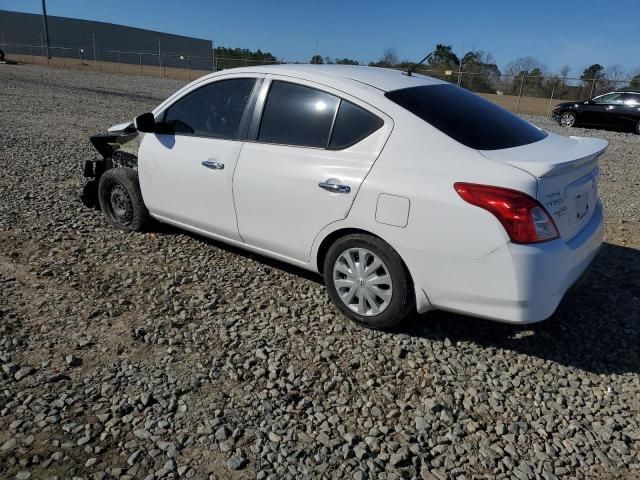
(566, 169)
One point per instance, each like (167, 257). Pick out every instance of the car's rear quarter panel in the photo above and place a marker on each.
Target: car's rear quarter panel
(444, 236)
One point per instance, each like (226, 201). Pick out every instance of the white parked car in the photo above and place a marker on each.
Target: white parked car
(405, 192)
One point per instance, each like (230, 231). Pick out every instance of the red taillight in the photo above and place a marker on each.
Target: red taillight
(524, 219)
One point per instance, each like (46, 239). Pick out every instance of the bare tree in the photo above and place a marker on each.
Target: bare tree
(615, 75)
(564, 72)
(524, 65)
(390, 56)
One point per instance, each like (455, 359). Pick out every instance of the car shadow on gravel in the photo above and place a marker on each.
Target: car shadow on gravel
(164, 229)
(595, 329)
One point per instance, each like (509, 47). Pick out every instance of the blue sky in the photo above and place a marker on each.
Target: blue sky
(571, 32)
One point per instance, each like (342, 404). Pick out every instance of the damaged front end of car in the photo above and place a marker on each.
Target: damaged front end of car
(118, 147)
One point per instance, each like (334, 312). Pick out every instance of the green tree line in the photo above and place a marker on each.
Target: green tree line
(475, 70)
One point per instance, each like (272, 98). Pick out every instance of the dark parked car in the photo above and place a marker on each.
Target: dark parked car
(612, 110)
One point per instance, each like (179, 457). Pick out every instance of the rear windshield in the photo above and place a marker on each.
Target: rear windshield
(466, 117)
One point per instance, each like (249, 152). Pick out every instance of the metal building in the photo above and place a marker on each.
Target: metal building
(73, 37)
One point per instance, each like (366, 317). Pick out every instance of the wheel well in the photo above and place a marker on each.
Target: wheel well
(333, 236)
(330, 239)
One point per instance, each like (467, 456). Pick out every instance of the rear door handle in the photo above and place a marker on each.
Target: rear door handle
(334, 187)
(213, 164)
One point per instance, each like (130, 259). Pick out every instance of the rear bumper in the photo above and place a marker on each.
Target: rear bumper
(514, 283)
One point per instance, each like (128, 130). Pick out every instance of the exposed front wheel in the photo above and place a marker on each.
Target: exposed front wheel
(567, 119)
(368, 281)
(121, 200)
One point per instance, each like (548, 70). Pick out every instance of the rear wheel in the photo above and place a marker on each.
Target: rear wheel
(567, 119)
(637, 127)
(121, 200)
(368, 281)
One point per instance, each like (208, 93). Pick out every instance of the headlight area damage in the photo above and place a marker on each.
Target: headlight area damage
(118, 148)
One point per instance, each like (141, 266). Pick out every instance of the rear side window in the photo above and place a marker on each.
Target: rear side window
(467, 118)
(352, 125)
(632, 99)
(214, 110)
(297, 115)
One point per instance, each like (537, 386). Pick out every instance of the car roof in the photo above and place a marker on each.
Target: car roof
(385, 79)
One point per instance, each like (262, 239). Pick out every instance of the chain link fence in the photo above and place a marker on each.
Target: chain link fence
(529, 94)
(526, 94)
(163, 65)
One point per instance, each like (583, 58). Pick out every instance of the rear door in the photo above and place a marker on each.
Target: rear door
(630, 110)
(186, 174)
(308, 151)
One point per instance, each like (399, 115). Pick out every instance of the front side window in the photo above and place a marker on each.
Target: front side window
(297, 115)
(214, 110)
(466, 118)
(352, 125)
(609, 98)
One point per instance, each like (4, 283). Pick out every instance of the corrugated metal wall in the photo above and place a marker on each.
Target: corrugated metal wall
(111, 40)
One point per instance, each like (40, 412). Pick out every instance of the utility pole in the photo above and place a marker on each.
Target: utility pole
(213, 56)
(159, 57)
(46, 28)
(95, 55)
(315, 57)
(460, 65)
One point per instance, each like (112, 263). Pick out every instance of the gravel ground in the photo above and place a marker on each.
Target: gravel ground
(164, 355)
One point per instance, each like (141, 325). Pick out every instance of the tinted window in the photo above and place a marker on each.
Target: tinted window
(611, 98)
(214, 110)
(467, 118)
(352, 125)
(632, 99)
(297, 115)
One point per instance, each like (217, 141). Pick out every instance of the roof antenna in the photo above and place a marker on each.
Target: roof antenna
(416, 65)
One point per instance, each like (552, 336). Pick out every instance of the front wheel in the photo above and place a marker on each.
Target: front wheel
(367, 280)
(121, 200)
(567, 119)
(637, 127)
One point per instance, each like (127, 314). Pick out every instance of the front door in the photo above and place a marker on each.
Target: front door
(603, 110)
(186, 174)
(304, 165)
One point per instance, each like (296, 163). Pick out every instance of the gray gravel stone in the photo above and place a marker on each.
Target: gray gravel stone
(9, 444)
(236, 463)
(199, 358)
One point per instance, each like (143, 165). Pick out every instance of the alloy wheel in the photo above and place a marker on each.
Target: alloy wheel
(567, 119)
(363, 281)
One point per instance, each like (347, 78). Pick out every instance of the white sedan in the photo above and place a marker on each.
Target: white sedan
(405, 192)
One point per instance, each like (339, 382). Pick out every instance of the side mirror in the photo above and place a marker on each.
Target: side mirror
(145, 123)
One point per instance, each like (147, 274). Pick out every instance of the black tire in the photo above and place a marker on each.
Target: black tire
(121, 200)
(566, 114)
(402, 302)
(637, 130)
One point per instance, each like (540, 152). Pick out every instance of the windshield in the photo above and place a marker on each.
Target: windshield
(466, 117)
